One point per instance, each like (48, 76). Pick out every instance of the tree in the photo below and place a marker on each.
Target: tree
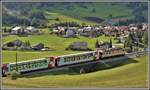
(14, 75)
(139, 26)
(28, 43)
(97, 44)
(82, 70)
(145, 38)
(83, 24)
(129, 42)
(4, 30)
(34, 22)
(110, 43)
(110, 16)
(93, 10)
(139, 35)
(37, 15)
(57, 19)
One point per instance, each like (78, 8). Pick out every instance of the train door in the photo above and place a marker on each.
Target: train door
(51, 62)
(100, 55)
(4, 69)
(96, 55)
(57, 61)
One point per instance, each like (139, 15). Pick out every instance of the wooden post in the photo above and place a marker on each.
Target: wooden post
(16, 61)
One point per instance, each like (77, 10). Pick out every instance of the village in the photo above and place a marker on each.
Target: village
(120, 33)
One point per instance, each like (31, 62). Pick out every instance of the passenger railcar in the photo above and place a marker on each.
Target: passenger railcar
(71, 59)
(25, 66)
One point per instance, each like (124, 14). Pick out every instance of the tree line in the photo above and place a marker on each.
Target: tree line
(136, 40)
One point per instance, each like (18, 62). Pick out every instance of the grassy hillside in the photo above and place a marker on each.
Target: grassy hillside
(51, 16)
(57, 44)
(20, 13)
(102, 10)
(128, 76)
(78, 12)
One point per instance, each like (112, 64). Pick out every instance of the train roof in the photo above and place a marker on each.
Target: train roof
(77, 54)
(28, 61)
(58, 56)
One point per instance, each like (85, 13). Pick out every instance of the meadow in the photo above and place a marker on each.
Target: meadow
(133, 75)
(57, 44)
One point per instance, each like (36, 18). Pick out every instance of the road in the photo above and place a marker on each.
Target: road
(127, 56)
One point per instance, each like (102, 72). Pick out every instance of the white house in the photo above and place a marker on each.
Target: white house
(31, 29)
(133, 28)
(61, 28)
(145, 26)
(16, 30)
(70, 32)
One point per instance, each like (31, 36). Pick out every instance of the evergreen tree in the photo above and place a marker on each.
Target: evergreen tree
(57, 19)
(110, 16)
(93, 10)
(129, 42)
(97, 44)
(110, 43)
(28, 43)
(145, 38)
(5, 30)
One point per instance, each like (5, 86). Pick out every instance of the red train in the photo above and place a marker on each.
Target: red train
(57, 61)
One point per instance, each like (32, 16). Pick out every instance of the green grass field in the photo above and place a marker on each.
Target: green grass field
(127, 76)
(55, 42)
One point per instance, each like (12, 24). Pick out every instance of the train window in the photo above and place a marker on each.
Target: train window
(74, 59)
(88, 56)
(84, 57)
(78, 57)
(81, 57)
(106, 52)
(19, 67)
(71, 58)
(66, 59)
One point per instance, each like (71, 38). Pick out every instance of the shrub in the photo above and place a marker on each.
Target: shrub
(135, 49)
(82, 70)
(67, 48)
(128, 49)
(14, 75)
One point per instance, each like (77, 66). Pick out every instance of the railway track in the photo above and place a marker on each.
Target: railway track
(104, 61)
